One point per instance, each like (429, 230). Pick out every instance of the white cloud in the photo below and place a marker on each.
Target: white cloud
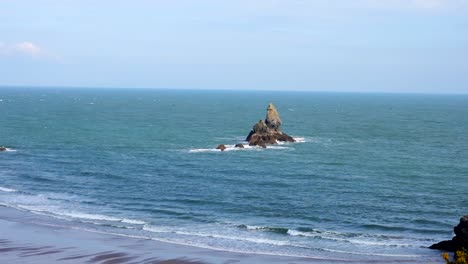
(23, 48)
(28, 48)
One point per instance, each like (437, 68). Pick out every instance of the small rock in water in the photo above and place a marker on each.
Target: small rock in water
(221, 147)
(239, 145)
(2, 148)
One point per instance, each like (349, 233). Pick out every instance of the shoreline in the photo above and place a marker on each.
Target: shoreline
(28, 238)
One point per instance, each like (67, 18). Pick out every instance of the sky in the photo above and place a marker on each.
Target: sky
(315, 45)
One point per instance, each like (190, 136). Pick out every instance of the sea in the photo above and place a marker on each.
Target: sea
(371, 176)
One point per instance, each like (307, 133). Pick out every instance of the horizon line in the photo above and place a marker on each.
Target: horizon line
(237, 89)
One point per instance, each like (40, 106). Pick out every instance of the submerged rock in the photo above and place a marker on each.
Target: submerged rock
(267, 132)
(2, 148)
(240, 145)
(459, 241)
(221, 147)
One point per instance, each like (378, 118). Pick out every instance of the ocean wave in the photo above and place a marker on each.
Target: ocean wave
(4, 189)
(133, 221)
(87, 216)
(51, 206)
(293, 232)
(363, 240)
(196, 238)
(204, 238)
(306, 232)
(41, 204)
(193, 244)
(254, 240)
(278, 230)
(352, 238)
(97, 217)
(261, 240)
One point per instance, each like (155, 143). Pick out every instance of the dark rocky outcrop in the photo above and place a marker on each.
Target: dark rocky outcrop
(221, 147)
(2, 148)
(240, 145)
(267, 132)
(459, 241)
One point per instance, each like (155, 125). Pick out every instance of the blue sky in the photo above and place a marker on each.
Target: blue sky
(320, 45)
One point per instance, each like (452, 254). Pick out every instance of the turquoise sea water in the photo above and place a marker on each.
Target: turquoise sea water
(372, 176)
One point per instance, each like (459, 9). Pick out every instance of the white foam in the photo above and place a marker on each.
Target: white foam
(10, 150)
(94, 217)
(299, 233)
(37, 209)
(300, 139)
(54, 212)
(277, 147)
(316, 234)
(91, 216)
(44, 205)
(4, 189)
(255, 240)
(249, 227)
(155, 229)
(203, 150)
(376, 243)
(248, 239)
(233, 148)
(133, 221)
(228, 148)
(339, 237)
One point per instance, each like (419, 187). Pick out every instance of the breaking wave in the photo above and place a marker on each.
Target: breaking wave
(221, 236)
(350, 238)
(4, 189)
(54, 207)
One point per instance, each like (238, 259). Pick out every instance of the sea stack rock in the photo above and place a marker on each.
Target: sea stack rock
(459, 241)
(268, 131)
(272, 119)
